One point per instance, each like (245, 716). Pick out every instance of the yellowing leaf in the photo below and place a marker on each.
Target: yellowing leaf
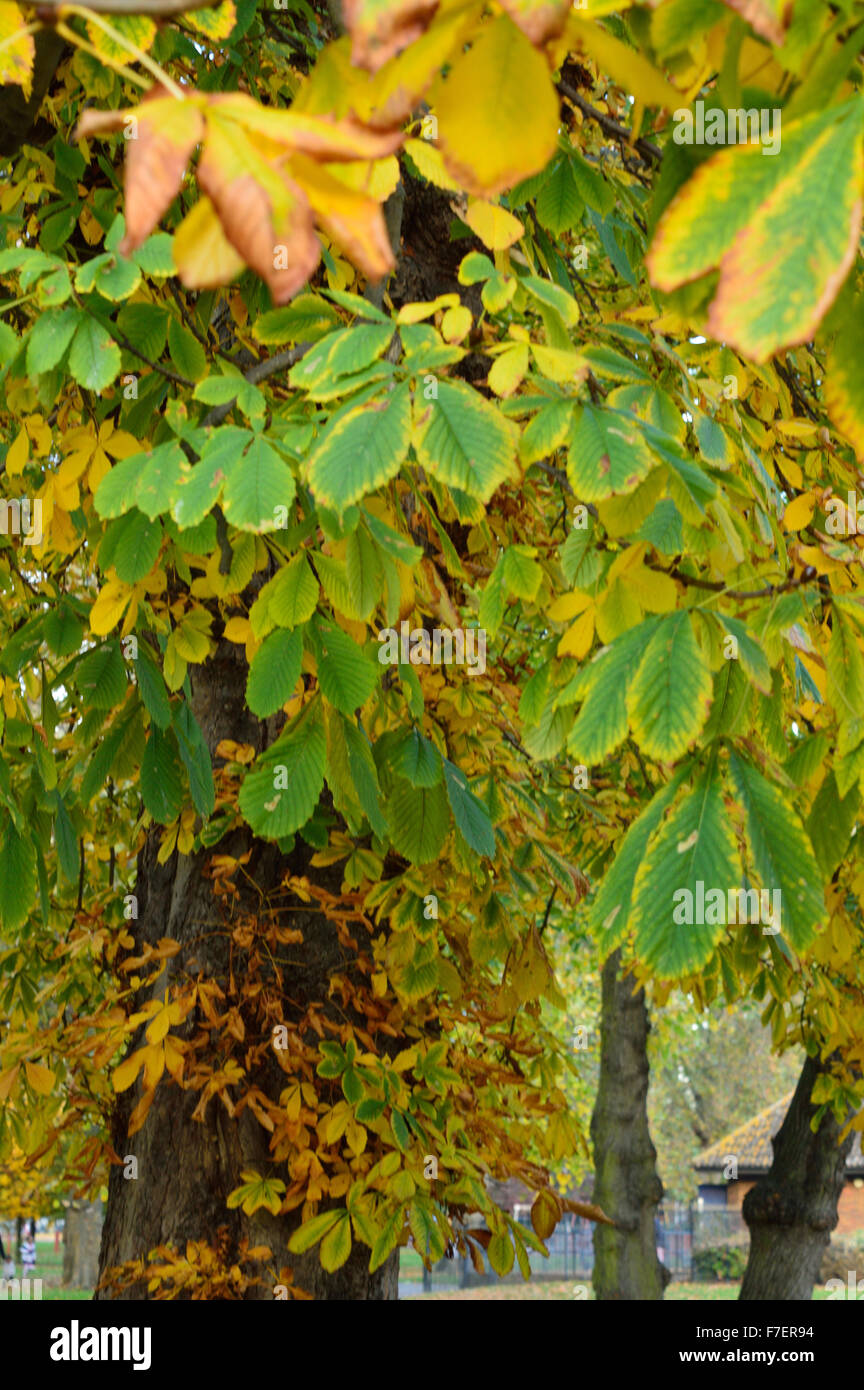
(125, 1074)
(203, 255)
(17, 50)
(456, 324)
(629, 68)
(40, 1078)
(512, 128)
(495, 226)
(799, 512)
(109, 606)
(578, 638)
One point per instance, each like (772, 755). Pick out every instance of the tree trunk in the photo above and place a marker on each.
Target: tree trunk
(792, 1211)
(626, 1184)
(82, 1231)
(186, 1166)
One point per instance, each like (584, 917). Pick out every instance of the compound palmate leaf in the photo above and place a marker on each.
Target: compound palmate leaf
(742, 210)
(694, 853)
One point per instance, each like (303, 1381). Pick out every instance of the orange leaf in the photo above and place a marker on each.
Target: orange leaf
(352, 219)
(379, 28)
(264, 215)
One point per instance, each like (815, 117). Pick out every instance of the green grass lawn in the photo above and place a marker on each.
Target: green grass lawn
(49, 1268)
(563, 1289)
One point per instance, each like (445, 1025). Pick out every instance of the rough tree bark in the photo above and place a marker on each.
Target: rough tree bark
(626, 1184)
(186, 1167)
(792, 1211)
(82, 1230)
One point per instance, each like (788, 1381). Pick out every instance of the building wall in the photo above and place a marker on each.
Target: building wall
(850, 1208)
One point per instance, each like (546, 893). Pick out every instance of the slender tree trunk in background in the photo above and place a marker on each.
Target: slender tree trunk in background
(792, 1211)
(626, 1184)
(187, 1167)
(82, 1233)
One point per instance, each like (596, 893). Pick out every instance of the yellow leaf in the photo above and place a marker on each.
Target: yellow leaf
(497, 111)
(799, 512)
(567, 607)
(625, 65)
(508, 370)
(656, 592)
(416, 313)
(19, 453)
(237, 630)
(430, 163)
(558, 364)
(456, 324)
(125, 1074)
(40, 1078)
(203, 255)
(17, 50)
(7, 1081)
(109, 607)
(578, 638)
(496, 227)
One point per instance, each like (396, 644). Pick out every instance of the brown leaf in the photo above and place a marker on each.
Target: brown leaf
(298, 131)
(352, 219)
(588, 1210)
(156, 159)
(280, 246)
(380, 28)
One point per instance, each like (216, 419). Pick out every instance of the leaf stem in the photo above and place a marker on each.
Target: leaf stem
(79, 42)
(143, 58)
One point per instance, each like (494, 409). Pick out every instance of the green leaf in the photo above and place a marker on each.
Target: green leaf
(782, 853)
(830, 824)
(152, 688)
(345, 674)
(145, 325)
(260, 486)
(670, 696)
(281, 792)
(418, 819)
(463, 441)
(116, 492)
(336, 1245)
(201, 485)
(196, 759)
(362, 450)
(94, 359)
(416, 759)
(469, 814)
(608, 454)
(274, 672)
(363, 568)
(559, 206)
(161, 779)
(602, 722)
(101, 677)
(159, 478)
(292, 597)
(610, 912)
(364, 775)
(49, 338)
(66, 841)
(306, 319)
(741, 211)
(187, 354)
(137, 548)
(312, 1231)
(18, 879)
(696, 845)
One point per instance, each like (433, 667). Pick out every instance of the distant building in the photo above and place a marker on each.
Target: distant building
(729, 1168)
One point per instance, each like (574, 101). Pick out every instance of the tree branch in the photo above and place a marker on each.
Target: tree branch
(646, 148)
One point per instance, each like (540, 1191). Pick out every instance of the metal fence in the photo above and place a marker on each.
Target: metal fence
(681, 1231)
